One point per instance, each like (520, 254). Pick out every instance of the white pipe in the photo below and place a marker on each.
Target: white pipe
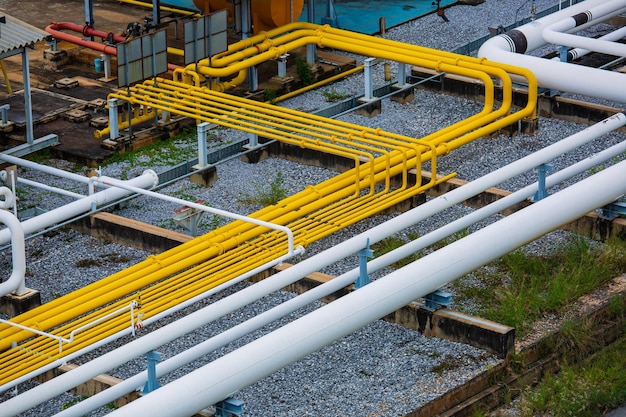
(250, 294)
(202, 207)
(46, 187)
(580, 52)
(43, 168)
(510, 48)
(15, 283)
(292, 342)
(557, 33)
(339, 282)
(148, 179)
(7, 198)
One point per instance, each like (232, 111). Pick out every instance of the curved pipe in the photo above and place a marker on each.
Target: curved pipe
(576, 53)
(147, 180)
(557, 34)
(510, 48)
(7, 200)
(15, 283)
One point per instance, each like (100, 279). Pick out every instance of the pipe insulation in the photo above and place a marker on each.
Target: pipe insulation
(292, 342)
(510, 48)
(15, 283)
(148, 179)
(349, 247)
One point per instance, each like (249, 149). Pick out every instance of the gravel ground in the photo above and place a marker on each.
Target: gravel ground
(382, 369)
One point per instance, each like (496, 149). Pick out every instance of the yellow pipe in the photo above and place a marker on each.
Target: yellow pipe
(6, 77)
(383, 200)
(135, 120)
(164, 8)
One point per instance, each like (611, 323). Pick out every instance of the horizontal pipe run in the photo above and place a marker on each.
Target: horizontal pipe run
(147, 179)
(223, 377)
(329, 287)
(202, 207)
(276, 282)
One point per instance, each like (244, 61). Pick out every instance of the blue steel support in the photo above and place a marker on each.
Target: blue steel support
(436, 300)
(229, 407)
(363, 278)
(152, 383)
(331, 16)
(563, 53)
(542, 171)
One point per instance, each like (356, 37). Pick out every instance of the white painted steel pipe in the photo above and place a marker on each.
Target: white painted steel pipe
(250, 294)
(576, 53)
(43, 168)
(557, 33)
(50, 188)
(342, 281)
(510, 48)
(146, 180)
(8, 200)
(117, 183)
(15, 283)
(292, 342)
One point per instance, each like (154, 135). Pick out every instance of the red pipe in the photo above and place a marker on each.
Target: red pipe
(55, 30)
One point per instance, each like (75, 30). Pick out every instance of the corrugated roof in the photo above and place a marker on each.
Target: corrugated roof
(15, 34)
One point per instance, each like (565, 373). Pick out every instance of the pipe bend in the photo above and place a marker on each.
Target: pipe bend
(15, 283)
(9, 198)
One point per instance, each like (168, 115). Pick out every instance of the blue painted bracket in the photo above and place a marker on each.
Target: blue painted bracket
(363, 278)
(611, 211)
(229, 407)
(542, 171)
(436, 300)
(152, 383)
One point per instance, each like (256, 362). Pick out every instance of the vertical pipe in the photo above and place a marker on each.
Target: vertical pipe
(369, 85)
(113, 120)
(310, 48)
(202, 148)
(27, 98)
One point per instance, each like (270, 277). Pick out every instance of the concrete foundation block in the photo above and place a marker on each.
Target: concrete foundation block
(530, 125)
(205, 176)
(372, 107)
(402, 96)
(255, 155)
(13, 305)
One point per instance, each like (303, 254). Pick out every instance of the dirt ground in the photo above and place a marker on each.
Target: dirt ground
(109, 15)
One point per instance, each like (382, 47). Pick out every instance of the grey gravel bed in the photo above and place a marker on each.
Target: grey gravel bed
(381, 370)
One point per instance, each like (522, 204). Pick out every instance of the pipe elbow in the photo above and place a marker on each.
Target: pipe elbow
(8, 199)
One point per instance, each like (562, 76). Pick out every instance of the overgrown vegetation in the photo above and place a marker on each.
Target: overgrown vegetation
(265, 196)
(333, 95)
(521, 288)
(394, 242)
(270, 95)
(585, 390)
(303, 69)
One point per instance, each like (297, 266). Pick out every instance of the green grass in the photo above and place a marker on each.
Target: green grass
(585, 390)
(520, 288)
(394, 242)
(267, 196)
